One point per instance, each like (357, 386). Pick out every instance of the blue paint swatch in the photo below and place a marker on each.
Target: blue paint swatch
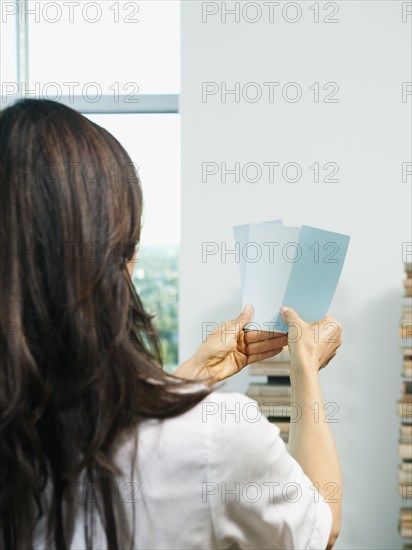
(304, 276)
(241, 233)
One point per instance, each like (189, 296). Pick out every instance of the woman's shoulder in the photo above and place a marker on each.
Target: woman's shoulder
(217, 408)
(220, 416)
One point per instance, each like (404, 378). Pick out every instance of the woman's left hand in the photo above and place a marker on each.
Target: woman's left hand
(228, 349)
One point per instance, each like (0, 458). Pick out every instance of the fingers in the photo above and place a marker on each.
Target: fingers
(266, 345)
(259, 351)
(234, 327)
(289, 315)
(253, 336)
(244, 318)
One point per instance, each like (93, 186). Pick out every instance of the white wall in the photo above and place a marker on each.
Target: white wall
(368, 135)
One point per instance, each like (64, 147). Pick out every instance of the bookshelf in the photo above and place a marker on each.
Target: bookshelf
(405, 413)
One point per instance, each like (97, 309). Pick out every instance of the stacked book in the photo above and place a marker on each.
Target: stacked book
(274, 395)
(405, 412)
(406, 524)
(407, 282)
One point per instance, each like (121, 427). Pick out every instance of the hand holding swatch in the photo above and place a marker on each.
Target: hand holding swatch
(292, 266)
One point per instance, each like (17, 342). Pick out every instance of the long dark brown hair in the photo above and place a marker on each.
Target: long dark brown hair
(80, 361)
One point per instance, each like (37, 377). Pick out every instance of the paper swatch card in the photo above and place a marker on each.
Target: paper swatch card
(283, 265)
(242, 237)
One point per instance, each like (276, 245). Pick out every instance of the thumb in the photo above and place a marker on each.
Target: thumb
(289, 315)
(245, 316)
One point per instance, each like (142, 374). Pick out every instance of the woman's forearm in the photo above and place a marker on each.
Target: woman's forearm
(311, 442)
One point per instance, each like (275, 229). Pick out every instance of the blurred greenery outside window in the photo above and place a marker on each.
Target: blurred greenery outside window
(156, 278)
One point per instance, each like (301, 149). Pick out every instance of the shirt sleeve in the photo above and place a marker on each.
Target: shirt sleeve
(258, 494)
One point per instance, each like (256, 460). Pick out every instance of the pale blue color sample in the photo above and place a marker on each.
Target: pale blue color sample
(241, 233)
(315, 275)
(267, 271)
(241, 236)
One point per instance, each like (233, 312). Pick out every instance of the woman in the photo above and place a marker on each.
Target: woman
(99, 446)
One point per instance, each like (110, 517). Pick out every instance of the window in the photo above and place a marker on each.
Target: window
(108, 60)
(110, 43)
(152, 142)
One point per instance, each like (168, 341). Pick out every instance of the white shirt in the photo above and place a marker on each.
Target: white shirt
(218, 476)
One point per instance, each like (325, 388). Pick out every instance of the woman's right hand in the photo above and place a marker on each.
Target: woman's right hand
(311, 345)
